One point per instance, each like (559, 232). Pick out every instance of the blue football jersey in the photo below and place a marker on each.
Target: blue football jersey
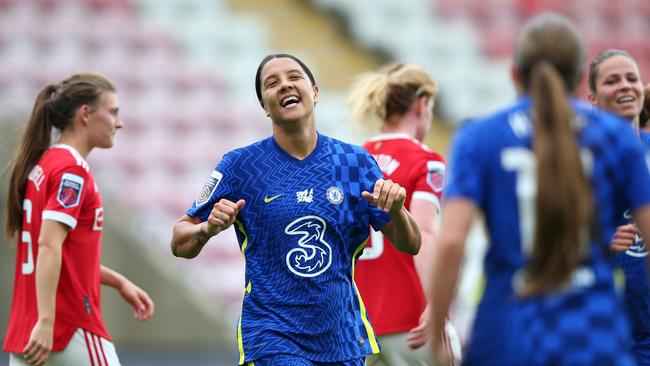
(301, 231)
(637, 289)
(493, 165)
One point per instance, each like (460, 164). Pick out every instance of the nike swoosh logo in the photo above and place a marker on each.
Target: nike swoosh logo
(269, 199)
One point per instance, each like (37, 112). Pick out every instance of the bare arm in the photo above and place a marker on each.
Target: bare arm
(402, 230)
(139, 300)
(447, 254)
(48, 269)
(190, 234)
(425, 213)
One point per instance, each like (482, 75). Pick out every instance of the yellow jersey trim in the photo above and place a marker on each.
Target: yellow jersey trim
(247, 289)
(374, 346)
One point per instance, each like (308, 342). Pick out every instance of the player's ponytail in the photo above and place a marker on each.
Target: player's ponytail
(390, 91)
(564, 200)
(55, 106)
(35, 141)
(549, 58)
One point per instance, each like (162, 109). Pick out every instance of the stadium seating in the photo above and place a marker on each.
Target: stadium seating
(181, 95)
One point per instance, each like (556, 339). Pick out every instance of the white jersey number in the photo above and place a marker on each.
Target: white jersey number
(522, 162)
(26, 238)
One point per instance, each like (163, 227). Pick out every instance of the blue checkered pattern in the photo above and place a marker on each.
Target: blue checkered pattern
(575, 328)
(620, 181)
(299, 247)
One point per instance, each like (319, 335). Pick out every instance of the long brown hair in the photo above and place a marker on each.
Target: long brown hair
(55, 106)
(389, 91)
(550, 56)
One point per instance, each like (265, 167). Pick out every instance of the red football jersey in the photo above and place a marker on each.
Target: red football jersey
(386, 278)
(60, 188)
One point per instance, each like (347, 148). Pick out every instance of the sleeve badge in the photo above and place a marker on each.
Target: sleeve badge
(208, 188)
(436, 175)
(70, 190)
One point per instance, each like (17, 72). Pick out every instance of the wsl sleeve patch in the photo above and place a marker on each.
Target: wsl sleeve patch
(436, 175)
(70, 190)
(208, 188)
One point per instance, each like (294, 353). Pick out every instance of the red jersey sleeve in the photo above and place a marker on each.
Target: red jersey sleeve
(65, 194)
(429, 174)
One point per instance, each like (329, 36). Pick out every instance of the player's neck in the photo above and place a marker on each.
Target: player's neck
(298, 143)
(76, 143)
(399, 128)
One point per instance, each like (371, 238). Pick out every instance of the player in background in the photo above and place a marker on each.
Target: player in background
(547, 173)
(54, 208)
(615, 85)
(302, 204)
(398, 100)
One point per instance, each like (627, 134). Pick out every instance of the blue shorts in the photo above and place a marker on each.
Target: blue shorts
(291, 360)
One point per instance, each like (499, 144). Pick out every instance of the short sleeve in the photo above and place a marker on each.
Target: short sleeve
(218, 185)
(65, 194)
(428, 178)
(465, 169)
(378, 218)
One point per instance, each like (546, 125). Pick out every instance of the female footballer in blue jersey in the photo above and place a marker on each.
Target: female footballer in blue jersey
(552, 177)
(615, 85)
(301, 203)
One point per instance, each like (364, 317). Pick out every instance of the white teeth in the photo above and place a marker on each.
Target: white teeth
(289, 99)
(627, 98)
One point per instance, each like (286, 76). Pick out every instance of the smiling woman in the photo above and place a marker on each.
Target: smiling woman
(616, 86)
(302, 204)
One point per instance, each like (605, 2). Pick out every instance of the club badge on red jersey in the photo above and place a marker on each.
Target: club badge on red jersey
(208, 188)
(70, 190)
(436, 175)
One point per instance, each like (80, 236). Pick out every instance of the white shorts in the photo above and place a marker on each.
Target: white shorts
(396, 352)
(84, 349)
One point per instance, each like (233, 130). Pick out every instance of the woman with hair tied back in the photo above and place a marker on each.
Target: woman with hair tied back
(398, 100)
(615, 85)
(547, 174)
(54, 207)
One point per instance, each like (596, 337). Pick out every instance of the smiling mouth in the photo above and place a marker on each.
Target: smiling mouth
(625, 99)
(289, 100)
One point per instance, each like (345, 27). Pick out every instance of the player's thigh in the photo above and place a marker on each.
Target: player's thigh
(84, 349)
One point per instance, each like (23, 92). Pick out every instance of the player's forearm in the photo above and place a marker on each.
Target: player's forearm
(109, 277)
(422, 260)
(48, 270)
(404, 232)
(189, 238)
(446, 259)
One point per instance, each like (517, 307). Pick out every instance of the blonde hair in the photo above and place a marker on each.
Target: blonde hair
(389, 91)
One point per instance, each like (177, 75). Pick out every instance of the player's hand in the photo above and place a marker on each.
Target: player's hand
(39, 346)
(222, 216)
(419, 335)
(387, 195)
(624, 237)
(139, 300)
